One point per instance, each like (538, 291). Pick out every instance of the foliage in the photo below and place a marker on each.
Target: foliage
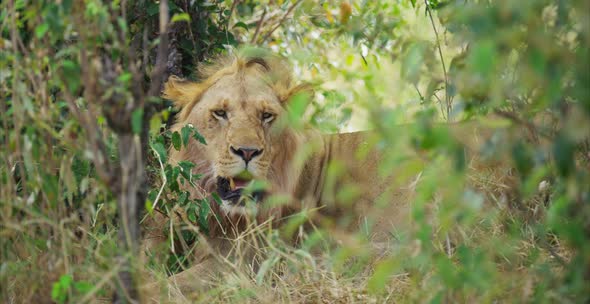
(75, 82)
(508, 65)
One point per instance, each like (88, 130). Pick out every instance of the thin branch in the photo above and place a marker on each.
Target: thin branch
(282, 20)
(442, 60)
(231, 12)
(419, 94)
(269, 16)
(441, 104)
(189, 27)
(532, 128)
(258, 26)
(163, 182)
(158, 73)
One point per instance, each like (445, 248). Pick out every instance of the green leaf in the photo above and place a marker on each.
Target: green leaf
(199, 137)
(176, 141)
(483, 58)
(382, 274)
(122, 24)
(522, 158)
(186, 167)
(242, 25)
(59, 291)
(182, 197)
(296, 110)
(412, 62)
(216, 198)
(124, 78)
(204, 211)
(71, 74)
(185, 134)
(180, 17)
(149, 206)
(41, 29)
(192, 216)
(160, 150)
(137, 120)
(152, 8)
(83, 287)
(298, 105)
(563, 154)
(155, 124)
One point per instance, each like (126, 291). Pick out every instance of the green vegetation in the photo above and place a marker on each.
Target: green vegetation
(84, 141)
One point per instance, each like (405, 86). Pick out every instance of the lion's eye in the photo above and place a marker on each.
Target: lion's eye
(267, 117)
(220, 114)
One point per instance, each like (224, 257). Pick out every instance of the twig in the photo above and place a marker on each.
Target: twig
(448, 245)
(441, 104)
(231, 12)
(162, 57)
(364, 59)
(269, 16)
(164, 181)
(532, 128)
(258, 26)
(442, 60)
(282, 20)
(419, 94)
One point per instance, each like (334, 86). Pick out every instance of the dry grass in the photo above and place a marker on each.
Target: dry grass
(480, 242)
(344, 267)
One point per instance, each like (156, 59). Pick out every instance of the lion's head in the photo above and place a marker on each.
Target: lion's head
(236, 107)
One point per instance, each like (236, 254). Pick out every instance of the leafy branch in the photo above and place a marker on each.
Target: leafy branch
(448, 99)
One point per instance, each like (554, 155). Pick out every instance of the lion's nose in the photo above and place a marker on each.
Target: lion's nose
(247, 154)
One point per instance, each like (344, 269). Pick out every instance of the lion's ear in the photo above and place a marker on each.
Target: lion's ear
(304, 89)
(181, 91)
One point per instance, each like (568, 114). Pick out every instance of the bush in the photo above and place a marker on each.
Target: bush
(80, 83)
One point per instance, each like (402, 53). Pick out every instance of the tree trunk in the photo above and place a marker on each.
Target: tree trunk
(130, 202)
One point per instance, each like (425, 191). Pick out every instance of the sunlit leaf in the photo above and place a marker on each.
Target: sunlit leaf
(412, 62)
(181, 17)
(41, 30)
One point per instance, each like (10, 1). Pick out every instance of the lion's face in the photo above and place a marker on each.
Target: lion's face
(236, 115)
(236, 109)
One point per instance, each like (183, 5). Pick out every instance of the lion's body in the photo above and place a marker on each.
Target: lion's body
(338, 178)
(341, 180)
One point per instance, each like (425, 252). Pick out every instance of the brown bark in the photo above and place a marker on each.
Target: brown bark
(131, 189)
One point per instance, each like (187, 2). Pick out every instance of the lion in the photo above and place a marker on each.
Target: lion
(239, 108)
